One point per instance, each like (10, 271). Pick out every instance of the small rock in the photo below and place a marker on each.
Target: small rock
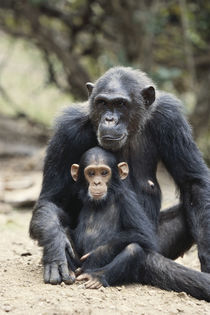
(7, 308)
(63, 284)
(26, 254)
(182, 295)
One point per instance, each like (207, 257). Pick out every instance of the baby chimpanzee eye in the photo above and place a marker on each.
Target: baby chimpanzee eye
(91, 173)
(104, 172)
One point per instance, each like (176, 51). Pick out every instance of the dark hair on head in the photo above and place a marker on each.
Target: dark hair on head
(97, 153)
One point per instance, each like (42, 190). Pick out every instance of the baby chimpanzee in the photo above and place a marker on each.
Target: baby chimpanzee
(113, 234)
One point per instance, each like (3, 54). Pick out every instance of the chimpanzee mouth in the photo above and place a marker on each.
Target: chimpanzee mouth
(97, 196)
(112, 143)
(110, 138)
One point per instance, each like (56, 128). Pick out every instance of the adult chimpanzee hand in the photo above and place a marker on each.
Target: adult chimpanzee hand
(56, 259)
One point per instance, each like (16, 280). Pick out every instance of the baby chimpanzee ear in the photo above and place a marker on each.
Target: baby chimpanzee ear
(90, 87)
(123, 170)
(74, 171)
(148, 94)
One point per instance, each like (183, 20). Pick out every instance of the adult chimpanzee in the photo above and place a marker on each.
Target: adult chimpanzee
(114, 237)
(141, 125)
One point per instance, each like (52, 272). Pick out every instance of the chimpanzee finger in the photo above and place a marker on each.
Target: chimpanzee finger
(84, 276)
(99, 285)
(67, 278)
(96, 285)
(78, 271)
(85, 256)
(70, 250)
(91, 284)
(88, 283)
(70, 261)
(55, 277)
(47, 273)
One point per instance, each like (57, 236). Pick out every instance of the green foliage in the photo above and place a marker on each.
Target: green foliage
(24, 78)
(164, 74)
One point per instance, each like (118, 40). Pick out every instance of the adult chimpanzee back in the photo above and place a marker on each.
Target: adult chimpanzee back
(126, 114)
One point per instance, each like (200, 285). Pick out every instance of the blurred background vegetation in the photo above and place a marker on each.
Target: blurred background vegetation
(50, 48)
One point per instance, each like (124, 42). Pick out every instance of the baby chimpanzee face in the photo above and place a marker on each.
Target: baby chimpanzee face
(98, 177)
(96, 170)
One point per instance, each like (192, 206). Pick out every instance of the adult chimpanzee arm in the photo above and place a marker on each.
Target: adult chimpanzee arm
(57, 206)
(184, 162)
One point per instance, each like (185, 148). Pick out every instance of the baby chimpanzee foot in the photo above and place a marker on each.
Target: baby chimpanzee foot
(93, 280)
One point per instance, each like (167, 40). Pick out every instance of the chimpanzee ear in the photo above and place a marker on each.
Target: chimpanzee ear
(90, 87)
(148, 94)
(123, 170)
(74, 171)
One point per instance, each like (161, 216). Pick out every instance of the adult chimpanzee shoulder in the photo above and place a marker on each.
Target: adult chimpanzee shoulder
(126, 114)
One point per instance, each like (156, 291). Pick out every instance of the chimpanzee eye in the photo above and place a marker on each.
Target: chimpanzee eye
(101, 102)
(122, 103)
(91, 173)
(104, 172)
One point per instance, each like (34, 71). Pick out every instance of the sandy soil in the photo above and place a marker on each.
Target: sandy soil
(22, 290)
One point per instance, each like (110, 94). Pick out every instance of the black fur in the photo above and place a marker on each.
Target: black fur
(107, 226)
(148, 133)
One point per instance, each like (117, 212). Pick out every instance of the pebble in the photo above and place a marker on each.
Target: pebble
(7, 308)
(63, 285)
(182, 295)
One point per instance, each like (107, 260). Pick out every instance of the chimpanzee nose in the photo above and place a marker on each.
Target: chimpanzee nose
(110, 119)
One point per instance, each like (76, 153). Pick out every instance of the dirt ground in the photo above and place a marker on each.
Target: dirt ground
(22, 290)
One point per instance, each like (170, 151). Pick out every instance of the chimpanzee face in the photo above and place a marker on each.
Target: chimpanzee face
(96, 171)
(117, 107)
(98, 177)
